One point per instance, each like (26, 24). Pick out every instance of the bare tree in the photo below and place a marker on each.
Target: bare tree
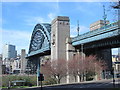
(73, 66)
(83, 67)
(78, 66)
(114, 9)
(56, 69)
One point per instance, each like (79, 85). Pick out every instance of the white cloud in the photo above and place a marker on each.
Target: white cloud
(16, 34)
(51, 16)
(47, 18)
(33, 20)
(17, 37)
(73, 30)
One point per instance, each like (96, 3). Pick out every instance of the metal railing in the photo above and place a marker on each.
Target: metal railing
(96, 32)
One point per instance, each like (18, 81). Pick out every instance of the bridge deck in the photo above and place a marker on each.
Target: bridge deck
(110, 30)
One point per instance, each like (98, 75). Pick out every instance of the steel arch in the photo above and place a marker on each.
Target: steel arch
(40, 39)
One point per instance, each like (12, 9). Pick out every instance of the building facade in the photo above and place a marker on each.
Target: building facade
(116, 63)
(98, 24)
(9, 51)
(16, 68)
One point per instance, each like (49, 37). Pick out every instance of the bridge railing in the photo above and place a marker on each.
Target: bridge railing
(96, 32)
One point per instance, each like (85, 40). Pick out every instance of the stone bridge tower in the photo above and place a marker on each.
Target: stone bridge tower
(60, 31)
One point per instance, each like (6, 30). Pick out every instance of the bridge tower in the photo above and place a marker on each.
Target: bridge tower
(60, 31)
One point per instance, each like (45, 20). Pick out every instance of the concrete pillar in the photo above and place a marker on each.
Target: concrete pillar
(23, 61)
(60, 30)
(69, 54)
(106, 55)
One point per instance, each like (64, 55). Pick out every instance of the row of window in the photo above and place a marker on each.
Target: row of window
(63, 22)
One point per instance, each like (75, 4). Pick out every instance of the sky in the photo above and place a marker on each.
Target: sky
(18, 19)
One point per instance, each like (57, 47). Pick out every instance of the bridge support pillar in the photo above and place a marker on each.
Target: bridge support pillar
(69, 55)
(105, 55)
(32, 63)
(60, 31)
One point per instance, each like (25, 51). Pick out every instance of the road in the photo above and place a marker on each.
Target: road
(103, 84)
(97, 84)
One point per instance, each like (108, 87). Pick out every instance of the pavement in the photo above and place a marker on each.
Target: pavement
(88, 85)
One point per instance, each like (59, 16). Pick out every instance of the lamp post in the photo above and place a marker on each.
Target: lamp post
(113, 74)
(82, 60)
(38, 74)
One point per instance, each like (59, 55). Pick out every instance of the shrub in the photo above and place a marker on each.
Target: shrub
(30, 80)
(49, 81)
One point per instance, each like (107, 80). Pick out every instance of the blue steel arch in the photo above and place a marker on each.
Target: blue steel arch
(40, 39)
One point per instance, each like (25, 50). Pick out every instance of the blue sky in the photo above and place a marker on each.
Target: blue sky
(19, 18)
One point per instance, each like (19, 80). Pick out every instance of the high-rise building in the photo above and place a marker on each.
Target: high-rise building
(9, 51)
(98, 24)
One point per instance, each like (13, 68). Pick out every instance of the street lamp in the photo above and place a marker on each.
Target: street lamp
(38, 73)
(113, 74)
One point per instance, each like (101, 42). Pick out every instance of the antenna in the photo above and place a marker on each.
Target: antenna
(78, 27)
(104, 16)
